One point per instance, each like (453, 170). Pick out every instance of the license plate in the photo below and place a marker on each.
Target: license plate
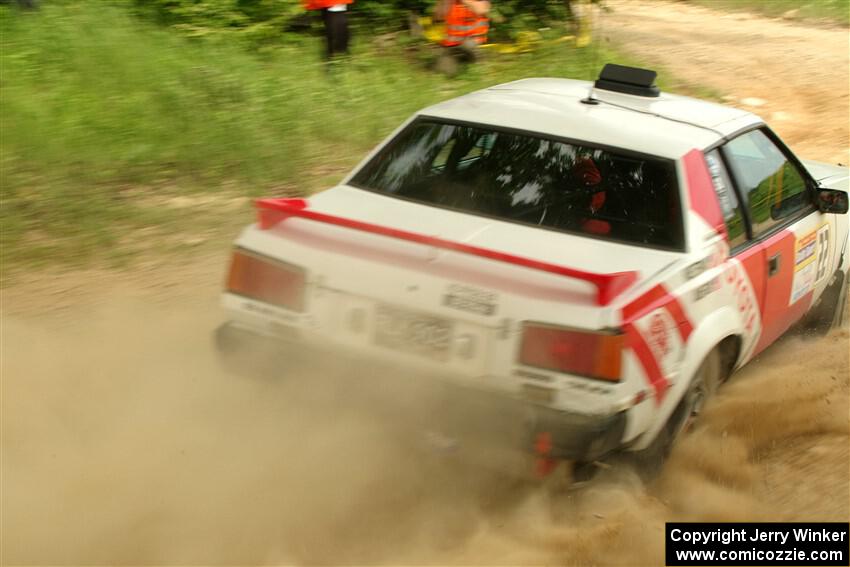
(412, 332)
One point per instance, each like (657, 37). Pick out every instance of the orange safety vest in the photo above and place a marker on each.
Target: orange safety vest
(463, 24)
(322, 4)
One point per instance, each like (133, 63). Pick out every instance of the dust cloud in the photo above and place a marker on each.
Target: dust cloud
(124, 442)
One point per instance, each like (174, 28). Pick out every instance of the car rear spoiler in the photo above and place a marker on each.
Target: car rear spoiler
(608, 286)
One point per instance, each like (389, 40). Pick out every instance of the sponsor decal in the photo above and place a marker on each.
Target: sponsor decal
(697, 268)
(823, 253)
(742, 288)
(727, 203)
(653, 372)
(707, 288)
(806, 248)
(716, 256)
(655, 298)
(268, 312)
(657, 328)
(587, 386)
(659, 336)
(805, 266)
(720, 254)
(473, 300)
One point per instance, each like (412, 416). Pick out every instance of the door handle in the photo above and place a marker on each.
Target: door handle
(773, 264)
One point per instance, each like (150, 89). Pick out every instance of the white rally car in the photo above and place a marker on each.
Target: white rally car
(601, 256)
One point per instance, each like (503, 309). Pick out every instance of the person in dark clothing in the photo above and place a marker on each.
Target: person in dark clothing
(336, 30)
(335, 20)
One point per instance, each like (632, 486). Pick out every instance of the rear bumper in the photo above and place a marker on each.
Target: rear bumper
(575, 436)
(469, 417)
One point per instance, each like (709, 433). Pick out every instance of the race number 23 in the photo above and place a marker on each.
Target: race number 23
(823, 252)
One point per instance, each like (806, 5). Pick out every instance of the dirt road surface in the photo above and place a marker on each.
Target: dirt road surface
(794, 76)
(123, 441)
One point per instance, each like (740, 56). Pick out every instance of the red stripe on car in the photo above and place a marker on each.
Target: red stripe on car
(683, 324)
(656, 298)
(701, 191)
(654, 375)
(647, 302)
(608, 286)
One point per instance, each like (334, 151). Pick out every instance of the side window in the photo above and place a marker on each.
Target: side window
(729, 204)
(771, 186)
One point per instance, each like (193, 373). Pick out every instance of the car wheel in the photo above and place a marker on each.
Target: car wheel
(706, 380)
(829, 312)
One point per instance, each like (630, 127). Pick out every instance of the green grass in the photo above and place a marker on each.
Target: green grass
(836, 11)
(106, 119)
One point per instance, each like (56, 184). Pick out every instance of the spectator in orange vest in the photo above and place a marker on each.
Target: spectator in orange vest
(335, 18)
(466, 22)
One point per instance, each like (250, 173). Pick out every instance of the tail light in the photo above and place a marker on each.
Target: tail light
(595, 355)
(266, 280)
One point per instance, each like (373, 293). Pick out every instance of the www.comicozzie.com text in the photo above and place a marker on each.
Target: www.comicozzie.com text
(756, 534)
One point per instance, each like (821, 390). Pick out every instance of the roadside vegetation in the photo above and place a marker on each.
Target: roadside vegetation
(832, 11)
(119, 134)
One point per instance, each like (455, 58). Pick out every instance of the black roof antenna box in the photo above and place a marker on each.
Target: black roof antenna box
(627, 80)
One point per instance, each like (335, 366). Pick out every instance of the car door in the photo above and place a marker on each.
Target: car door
(747, 255)
(787, 232)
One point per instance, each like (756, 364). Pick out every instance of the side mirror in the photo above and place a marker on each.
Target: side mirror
(833, 201)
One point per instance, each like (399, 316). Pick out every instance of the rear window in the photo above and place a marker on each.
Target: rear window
(532, 180)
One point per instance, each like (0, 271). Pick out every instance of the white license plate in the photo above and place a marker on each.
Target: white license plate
(412, 332)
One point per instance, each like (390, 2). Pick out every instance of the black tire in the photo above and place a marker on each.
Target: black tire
(829, 312)
(650, 460)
